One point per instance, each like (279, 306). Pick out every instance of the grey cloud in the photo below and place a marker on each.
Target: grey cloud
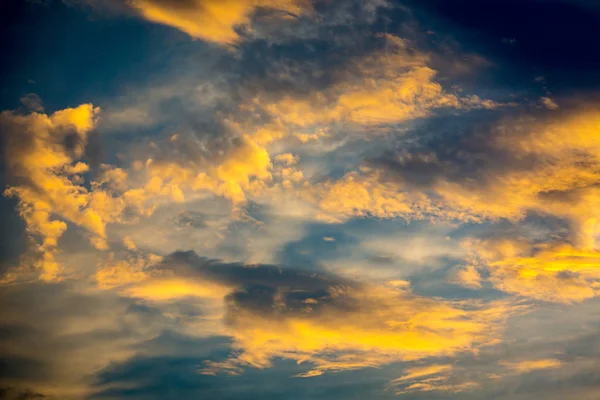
(9, 393)
(461, 150)
(53, 336)
(265, 289)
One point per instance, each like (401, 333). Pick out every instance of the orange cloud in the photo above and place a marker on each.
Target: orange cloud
(211, 20)
(560, 181)
(48, 180)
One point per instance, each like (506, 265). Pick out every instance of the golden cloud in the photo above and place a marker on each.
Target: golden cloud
(386, 87)
(527, 366)
(548, 272)
(429, 378)
(561, 182)
(361, 195)
(386, 325)
(211, 20)
(327, 322)
(559, 179)
(41, 154)
(114, 273)
(229, 177)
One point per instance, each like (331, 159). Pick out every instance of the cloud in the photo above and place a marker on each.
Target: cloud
(386, 86)
(554, 272)
(359, 196)
(229, 175)
(122, 272)
(9, 393)
(213, 20)
(469, 277)
(56, 337)
(325, 321)
(48, 179)
(42, 151)
(515, 166)
(549, 103)
(334, 339)
(336, 137)
(555, 164)
(429, 378)
(527, 366)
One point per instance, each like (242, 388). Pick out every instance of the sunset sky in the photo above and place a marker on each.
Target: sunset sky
(300, 199)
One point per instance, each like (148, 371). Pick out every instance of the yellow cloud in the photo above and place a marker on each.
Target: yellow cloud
(119, 273)
(561, 182)
(211, 20)
(167, 289)
(357, 195)
(385, 87)
(547, 272)
(369, 93)
(286, 158)
(124, 272)
(403, 327)
(129, 243)
(527, 366)
(469, 277)
(429, 378)
(352, 328)
(229, 177)
(420, 372)
(47, 179)
(41, 150)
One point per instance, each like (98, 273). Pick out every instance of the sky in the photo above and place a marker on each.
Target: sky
(300, 199)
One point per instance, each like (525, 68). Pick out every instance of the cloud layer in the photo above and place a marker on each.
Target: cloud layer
(313, 199)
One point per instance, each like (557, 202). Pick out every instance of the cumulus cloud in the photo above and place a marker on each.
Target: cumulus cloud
(304, 128)
(47, 177)
(386, 86)
(56, 337)
(41, 153)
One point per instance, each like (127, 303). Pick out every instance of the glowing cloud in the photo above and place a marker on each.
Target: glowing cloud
(560, 182)
(527, 366)
(41, 154)
(387, 86)
(547, 272)
(429, 378)
(405, 327)
(211, 20)
(357, 195)
(230, 176)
